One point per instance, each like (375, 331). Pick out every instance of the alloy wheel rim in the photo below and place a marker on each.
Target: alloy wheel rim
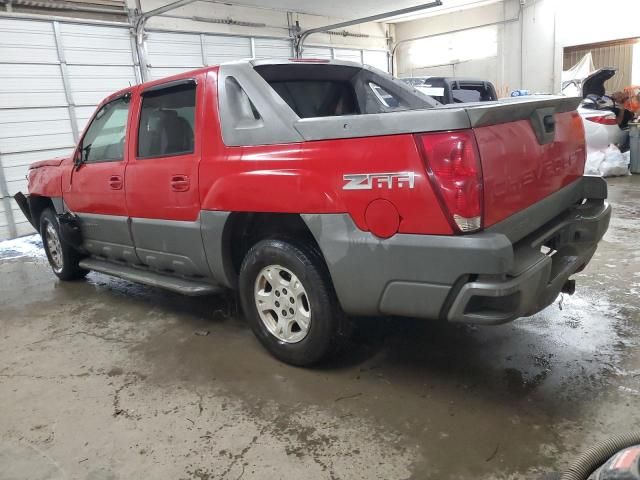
(282, 304)
(54, 247)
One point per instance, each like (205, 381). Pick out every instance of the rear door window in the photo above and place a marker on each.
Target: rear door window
(167, 121)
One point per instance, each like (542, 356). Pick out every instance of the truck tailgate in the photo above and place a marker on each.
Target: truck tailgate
(527, 159)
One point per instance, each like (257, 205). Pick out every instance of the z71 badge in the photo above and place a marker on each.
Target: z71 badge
(369, 181)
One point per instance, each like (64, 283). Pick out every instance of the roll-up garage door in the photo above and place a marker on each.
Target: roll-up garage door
(170, 53)
(273, 48)
(34, 115)
(99, 62)
(376, 58)
(52, 76)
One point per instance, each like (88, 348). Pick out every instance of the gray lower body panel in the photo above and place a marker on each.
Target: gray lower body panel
(215, 233)
(480, 278)
(107, 236)
(367, 270)
(170, 246)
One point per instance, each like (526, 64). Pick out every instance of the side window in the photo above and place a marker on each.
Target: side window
(167, 121)
(105, 137)
(243, 112)
(385, 98)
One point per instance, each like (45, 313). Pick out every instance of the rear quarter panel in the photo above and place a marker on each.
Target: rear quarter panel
(308, 178)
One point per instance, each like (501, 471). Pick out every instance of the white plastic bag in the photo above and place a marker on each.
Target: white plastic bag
(614, 163)
(594, 159)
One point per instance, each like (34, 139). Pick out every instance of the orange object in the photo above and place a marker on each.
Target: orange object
(632, 102)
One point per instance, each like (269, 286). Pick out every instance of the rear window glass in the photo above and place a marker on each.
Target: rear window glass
(471, 93)
(318, 98)
(325, 90)
(465, 95)
(387, 99)
(434, 92)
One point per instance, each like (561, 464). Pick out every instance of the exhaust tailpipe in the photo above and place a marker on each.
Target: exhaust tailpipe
(569, 287)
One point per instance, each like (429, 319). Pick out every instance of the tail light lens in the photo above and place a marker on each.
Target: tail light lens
(603, 119)
(453, 166)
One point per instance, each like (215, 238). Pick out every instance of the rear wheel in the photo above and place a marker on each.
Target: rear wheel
(63, 258)
(290, 303)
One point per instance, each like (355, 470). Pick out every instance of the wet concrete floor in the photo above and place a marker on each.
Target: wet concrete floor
(104, 379)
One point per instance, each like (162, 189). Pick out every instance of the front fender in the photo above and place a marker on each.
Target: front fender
(46, 181)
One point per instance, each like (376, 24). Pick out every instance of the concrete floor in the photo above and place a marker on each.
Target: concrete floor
(104, 379)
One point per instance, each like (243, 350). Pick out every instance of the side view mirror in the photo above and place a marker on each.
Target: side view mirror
(81, 155)
(77, 159)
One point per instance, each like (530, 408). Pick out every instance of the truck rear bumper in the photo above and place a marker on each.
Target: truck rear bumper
(492, 277)
(538, 276)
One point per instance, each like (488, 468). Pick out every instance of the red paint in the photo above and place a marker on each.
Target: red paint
(627, 459)
(92, 189)
(54, 162)
(603, 119)
(382, 218)
(519, 172)
(307, 177)
(166, 187)
(45, 179)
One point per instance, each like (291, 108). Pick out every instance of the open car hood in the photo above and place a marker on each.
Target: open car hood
(594, 82)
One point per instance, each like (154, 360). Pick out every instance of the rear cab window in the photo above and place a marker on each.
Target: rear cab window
(324, 90)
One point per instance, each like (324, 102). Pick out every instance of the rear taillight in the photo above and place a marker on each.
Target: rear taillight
(453, 165)
(603, 119)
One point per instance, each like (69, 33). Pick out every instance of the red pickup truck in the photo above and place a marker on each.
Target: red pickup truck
(303, 186)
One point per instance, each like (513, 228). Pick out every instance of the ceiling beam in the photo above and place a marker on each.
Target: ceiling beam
(302, 36)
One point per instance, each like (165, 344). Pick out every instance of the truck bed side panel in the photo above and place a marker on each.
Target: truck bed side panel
(309, 178)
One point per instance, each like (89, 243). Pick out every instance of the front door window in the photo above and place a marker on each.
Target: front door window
(105, 137)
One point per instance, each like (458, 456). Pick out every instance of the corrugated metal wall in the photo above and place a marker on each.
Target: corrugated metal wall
(52, 76)
(54, 73)
(375, 58)
(169, 53)
(618, 54)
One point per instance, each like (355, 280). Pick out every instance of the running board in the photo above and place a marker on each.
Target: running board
(175, 284)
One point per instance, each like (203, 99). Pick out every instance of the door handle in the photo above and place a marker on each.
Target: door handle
(115, 182)
(180, 183)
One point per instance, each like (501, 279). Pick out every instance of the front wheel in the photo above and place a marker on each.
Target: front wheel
(289, 301)
(62, 257)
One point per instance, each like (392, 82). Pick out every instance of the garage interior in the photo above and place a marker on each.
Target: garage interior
(107, 379)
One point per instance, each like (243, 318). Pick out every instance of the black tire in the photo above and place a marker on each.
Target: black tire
(328, 326)
(63, 258)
